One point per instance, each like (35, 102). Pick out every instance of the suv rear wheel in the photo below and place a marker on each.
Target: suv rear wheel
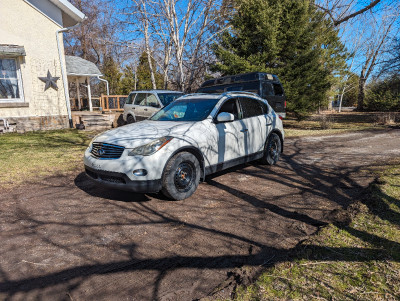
(181, 176)
(273, 149)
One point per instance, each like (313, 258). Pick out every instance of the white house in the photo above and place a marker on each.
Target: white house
(33, 76)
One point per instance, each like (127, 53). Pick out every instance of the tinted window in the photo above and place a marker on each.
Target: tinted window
(250, 87)
(140, 99)
(186, 110)
(250, 107)
(278, 89)
(230, 107)
(267, 90)
(167, 98)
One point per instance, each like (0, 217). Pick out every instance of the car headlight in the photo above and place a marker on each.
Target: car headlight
(150, 148)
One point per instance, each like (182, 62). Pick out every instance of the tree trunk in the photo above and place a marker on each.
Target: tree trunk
(361, 94)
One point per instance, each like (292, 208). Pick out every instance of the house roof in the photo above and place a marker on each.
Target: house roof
(71, 15)
(77, 66)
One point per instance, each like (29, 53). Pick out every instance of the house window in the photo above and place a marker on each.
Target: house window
(10, 80)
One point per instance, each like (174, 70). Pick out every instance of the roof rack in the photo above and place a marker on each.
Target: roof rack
(243, 92)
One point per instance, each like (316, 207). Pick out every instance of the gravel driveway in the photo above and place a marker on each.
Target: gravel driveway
(62, 238)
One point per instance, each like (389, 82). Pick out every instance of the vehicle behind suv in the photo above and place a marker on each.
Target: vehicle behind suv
(143, 104)
(265, 85)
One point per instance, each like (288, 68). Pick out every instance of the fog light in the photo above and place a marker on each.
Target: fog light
(140, 172)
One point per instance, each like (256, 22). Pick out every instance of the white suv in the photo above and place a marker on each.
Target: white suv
(141, 105)
(192, 137)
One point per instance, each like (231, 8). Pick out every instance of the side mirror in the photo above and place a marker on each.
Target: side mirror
(225, 117)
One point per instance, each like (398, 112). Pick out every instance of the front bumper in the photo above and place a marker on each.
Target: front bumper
(122, 181)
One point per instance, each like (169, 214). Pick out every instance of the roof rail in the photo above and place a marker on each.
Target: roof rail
(195, 94)
(243, 92)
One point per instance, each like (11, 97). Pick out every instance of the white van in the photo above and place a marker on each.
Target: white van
(143, 104)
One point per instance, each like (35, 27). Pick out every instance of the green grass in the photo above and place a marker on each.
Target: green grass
(358, 261)
(328, 126)
(26, 157)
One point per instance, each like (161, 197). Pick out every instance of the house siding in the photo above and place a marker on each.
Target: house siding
(25, 26)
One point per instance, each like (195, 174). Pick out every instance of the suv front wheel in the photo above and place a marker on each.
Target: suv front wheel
(130, 119)
(181, 176)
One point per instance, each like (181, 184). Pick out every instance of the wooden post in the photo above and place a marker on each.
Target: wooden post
(118, 102)
(89, 93)
(78, 93)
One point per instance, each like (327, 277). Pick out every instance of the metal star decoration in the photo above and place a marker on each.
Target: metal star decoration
(50, 81)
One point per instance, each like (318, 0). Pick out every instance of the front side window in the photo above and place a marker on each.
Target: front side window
(131, 97)
(9, 79)
(186, 110)
(250, 107)
(140, 99)
(230, 107)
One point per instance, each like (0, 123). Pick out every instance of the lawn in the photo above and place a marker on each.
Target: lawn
(29, 156)
(355, 261)
(330, 124)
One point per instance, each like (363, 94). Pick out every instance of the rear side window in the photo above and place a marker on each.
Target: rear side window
(140, 99)
(152, 101)
(278, 89)
(250, 107)
(267, 90)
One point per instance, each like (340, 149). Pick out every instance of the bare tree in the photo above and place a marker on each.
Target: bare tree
(341, 11)
(375, 45)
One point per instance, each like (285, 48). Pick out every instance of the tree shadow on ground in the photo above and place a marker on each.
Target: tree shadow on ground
(331, 184)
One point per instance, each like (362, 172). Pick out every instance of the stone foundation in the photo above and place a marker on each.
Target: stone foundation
(37, 123)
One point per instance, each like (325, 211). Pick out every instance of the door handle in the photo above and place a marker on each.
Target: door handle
(244, 130)
(269, 124)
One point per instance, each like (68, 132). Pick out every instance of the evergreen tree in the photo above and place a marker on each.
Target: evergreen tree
(288, 38)
(127, 81)
(144, 75)
(112, 73)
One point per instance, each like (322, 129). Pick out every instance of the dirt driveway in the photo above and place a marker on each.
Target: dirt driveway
(66, 239)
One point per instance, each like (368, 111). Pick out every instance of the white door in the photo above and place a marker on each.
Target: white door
(230, 135)
(255, 123)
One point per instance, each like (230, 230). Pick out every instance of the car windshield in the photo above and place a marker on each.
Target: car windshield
(188, 109)
(167, 98)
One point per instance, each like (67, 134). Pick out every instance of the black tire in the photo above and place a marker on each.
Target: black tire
(272, 150)
(130, 119)
(181, 176)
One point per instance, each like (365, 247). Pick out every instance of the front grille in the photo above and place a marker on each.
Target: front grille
(106, 151)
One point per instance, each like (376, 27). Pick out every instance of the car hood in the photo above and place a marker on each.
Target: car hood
(137, 134)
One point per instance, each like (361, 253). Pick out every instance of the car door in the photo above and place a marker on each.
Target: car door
(254, 124)
(152, 105)
(128, 106)
(139, 105)
(231, 136)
